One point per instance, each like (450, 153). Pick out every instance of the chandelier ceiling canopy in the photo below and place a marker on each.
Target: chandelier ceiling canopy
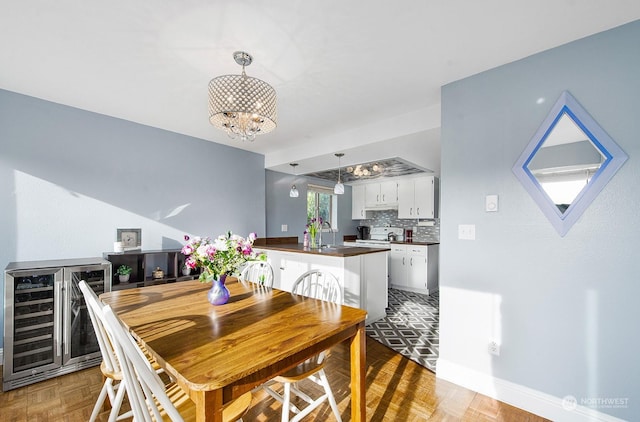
(241, 105)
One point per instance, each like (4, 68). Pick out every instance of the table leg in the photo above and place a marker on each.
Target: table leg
(358, 376)
(208, 405)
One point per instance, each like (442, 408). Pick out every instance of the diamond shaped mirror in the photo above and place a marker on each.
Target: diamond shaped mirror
(567, 163)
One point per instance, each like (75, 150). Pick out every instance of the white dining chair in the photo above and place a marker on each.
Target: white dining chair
(259, 272)
(318, 285)
(150, 399)
(114, 386)
(110, 366)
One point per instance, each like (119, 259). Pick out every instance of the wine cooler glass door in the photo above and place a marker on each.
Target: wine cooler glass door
(80, 342)
(32, 327)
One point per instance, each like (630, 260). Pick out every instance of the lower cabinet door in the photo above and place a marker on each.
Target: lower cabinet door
(417, 270)
(398, 266)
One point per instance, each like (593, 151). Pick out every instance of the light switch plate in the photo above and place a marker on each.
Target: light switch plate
(491, 203)
(285, 228)
(467, 231)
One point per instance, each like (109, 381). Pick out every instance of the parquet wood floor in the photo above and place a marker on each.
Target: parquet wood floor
(397, 390)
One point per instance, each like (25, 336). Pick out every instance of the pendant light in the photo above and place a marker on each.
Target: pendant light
(293, 193)
(339, 188)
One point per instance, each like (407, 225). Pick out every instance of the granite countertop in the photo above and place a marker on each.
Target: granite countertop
(336, 251)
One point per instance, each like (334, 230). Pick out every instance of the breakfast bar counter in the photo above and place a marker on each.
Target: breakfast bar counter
(361, 272)
(338, 251)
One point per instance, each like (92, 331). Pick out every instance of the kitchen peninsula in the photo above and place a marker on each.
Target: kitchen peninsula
(362, 272)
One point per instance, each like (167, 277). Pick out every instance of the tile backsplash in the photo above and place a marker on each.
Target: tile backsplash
(390, 218)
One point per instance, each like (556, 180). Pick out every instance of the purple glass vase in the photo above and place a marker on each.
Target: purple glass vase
(218, 294)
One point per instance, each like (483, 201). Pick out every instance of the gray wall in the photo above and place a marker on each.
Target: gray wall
(69, 178)
(282, 209)
(563, 308)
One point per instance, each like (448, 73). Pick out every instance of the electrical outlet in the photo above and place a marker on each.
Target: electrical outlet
(284, 228)
(467, 231)
(494, 348)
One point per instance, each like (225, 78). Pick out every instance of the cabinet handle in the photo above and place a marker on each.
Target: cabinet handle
(411, 211)
(417, 211)
(282, 268)
(382, 198)
(403, 260)
(411, 261)
(361, 213)
(57, 312)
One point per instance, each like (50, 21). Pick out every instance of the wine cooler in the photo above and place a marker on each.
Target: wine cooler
(47, 330)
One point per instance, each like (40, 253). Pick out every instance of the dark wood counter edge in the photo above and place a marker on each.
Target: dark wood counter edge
(415, 243)
(340, 251)
(262, 241)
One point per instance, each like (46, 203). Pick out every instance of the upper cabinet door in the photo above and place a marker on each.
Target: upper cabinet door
(372, 195)
(388, 193)
(406, 202)
(357, 203)
(424, 197)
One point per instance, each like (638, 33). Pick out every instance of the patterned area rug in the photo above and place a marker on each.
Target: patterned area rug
(411, 327)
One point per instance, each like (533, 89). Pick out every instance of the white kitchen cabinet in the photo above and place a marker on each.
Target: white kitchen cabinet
(397, 266)
(358, 211)
(379, 195)
(417, 276)
(417, 198)
(414, 267)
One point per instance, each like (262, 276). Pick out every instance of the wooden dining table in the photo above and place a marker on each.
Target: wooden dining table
(217, 353)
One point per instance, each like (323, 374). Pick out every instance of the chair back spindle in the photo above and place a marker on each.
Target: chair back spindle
(318, 284)
(258, 272)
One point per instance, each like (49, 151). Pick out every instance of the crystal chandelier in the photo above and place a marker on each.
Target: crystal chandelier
(241, 105)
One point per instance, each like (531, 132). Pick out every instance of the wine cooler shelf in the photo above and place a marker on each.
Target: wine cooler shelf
(47, 330)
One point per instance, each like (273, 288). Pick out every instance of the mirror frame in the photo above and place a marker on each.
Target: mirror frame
(614, 158)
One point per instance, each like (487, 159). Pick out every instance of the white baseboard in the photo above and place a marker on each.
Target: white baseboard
(525, 398)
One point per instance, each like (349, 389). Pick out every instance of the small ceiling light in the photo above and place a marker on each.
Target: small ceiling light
(293, 193)
(240, 105)
(339, 188)
(364, 171)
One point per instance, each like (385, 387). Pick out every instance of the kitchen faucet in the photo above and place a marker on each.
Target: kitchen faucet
(332, 231)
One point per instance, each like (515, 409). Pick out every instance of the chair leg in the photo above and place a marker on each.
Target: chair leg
(101, 398)
(332, 400)
(117, 403)
(286, 401)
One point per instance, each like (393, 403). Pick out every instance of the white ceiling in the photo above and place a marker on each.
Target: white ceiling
(348, 74)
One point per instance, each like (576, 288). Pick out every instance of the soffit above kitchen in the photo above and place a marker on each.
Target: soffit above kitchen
(347, 74)
(374, 170)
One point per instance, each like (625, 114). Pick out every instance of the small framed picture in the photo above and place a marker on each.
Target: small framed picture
(131, 238)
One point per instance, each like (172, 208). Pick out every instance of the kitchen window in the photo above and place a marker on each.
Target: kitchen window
(323, 203)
